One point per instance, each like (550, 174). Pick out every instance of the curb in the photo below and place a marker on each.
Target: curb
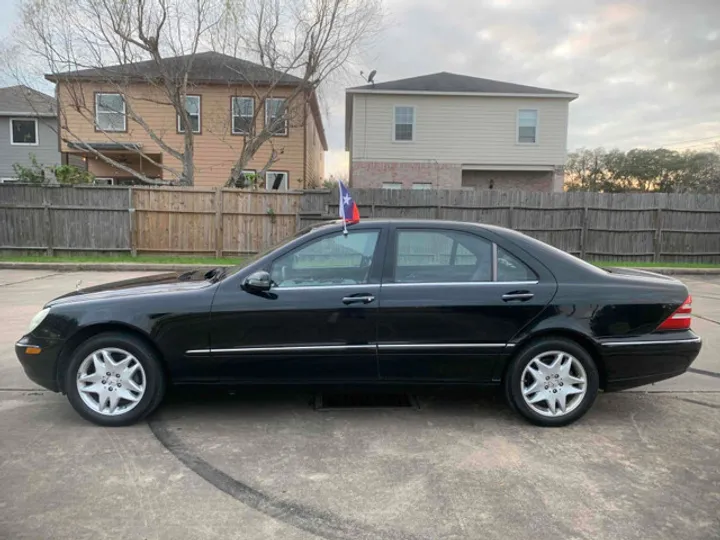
(669, 271)
(146, 267)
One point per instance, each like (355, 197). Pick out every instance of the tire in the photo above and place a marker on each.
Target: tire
(555, 385)
(129, 360)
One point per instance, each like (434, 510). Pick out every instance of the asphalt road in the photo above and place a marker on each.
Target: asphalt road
(259, 465)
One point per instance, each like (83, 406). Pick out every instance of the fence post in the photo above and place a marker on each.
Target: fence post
(438, 208)
(218, 222)
(133, 226)
(372, 204)
(657, 240)
(584, 233)
(47, 224)
(510, 216)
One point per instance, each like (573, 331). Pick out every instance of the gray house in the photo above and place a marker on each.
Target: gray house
(28, 125)
(446, 130)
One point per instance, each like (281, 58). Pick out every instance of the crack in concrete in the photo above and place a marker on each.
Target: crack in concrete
(704, 318)
(27, 280)
(697, 402)
(704, 372)
(318, 522)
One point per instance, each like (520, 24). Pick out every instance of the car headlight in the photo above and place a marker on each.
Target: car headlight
(37, 319)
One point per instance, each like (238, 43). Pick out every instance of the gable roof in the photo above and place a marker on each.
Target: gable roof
(452, 83)
(22, 100)
(207, 68)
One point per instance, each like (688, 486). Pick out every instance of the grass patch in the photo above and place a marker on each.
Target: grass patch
(635, 264)
(140, 259)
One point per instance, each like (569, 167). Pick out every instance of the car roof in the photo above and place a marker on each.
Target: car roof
(436, 223)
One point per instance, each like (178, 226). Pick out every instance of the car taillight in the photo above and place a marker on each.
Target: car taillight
(680, 319)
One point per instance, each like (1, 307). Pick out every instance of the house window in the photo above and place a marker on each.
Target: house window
(243, 111)
(392, 185)
(274, 109)
(110, 112)
(24, 131)
(527, 126)
(404, 129)
(192, 106)
(276, 181)
(248, 179)
(421, 185)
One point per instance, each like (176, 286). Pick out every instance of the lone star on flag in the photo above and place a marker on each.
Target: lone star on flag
(348, 209)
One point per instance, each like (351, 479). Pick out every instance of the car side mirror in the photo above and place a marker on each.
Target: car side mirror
(258, 281)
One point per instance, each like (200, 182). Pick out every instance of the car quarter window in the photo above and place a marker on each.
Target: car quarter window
(438, 256)
(510, 268)
(335, 259)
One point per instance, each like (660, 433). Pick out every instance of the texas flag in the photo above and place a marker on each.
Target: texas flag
(348, 209)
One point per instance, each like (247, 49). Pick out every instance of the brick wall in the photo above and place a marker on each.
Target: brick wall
(509, 180)
(373, 174)
(559, 179)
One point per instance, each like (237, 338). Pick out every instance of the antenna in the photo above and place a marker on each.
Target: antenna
(371, 77)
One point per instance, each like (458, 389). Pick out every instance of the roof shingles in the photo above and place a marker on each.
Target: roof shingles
(208, 67)
(445, 82)
(26, 101)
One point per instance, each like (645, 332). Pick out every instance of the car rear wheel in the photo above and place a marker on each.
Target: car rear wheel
(552, 382)
(114, 379)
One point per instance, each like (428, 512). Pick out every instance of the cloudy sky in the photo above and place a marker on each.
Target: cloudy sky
(647, 71)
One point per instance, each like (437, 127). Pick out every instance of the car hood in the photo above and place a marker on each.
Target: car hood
(154, 284)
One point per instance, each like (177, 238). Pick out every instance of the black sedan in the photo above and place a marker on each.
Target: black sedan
(387, 302)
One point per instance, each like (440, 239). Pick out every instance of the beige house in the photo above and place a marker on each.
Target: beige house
(94, 107)
(453, 131)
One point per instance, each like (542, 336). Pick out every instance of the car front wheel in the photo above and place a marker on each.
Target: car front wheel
(114, 379)
(552, 382)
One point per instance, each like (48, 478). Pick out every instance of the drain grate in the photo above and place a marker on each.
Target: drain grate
(328, 401)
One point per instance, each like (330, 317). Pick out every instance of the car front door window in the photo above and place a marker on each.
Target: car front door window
(336, 259)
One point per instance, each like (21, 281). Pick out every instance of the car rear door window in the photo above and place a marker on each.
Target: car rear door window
(336, 259)
(510, 268)
(437, 256)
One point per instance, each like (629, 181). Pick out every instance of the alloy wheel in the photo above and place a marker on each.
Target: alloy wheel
(553, 383)
(111, 381)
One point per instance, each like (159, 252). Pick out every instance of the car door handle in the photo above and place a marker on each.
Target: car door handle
(517, 296)
(358, 299)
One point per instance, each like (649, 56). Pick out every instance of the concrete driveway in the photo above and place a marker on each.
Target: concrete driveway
(261, 465)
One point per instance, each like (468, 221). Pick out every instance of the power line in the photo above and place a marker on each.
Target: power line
(701, 144)
(681, 143)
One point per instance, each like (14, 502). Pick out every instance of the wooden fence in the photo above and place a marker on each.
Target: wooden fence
(597, 226)
(217, 222)
(134, 220)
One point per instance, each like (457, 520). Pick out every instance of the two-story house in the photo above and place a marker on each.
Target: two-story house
(225, 94)
(28, 127)
(453, 131)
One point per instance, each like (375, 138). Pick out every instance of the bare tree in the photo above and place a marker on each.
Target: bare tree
(150, 45)
(301, 44)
